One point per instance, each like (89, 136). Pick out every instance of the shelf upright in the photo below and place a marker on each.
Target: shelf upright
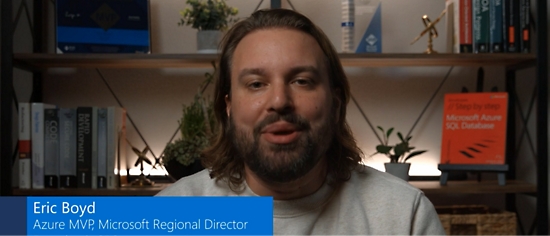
(6, 101)
(542, 117)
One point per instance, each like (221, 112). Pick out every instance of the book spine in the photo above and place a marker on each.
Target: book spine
(51, 148)
(511, 22)
(24, 145)
(463, 26)
(37, 141)
(495, 29)
(84, 147)
(67, 147)
(524, 15)
(481, 25)
(94, 147)
(102, 148)
(116, 144)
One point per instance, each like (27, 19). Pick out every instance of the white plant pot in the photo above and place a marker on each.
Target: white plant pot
(400, 170)
(208, 40)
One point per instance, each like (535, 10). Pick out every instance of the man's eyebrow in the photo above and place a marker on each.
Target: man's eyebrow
(293, 71)
(301, 69)
(251, 71)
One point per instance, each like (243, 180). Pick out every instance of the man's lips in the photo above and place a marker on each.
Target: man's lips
(280, 132)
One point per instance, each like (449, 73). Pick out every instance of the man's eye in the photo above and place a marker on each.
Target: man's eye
(302, 82)
(255, 85)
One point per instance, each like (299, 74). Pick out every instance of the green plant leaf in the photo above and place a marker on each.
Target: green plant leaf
(413, 154)
(400, 137)
(383, 149)
(389, 133)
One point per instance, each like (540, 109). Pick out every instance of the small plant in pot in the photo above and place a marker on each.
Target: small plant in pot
(210, 18)
(197, 126)
(398, 153)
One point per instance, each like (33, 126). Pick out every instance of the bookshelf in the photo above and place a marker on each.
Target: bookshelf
(37, 62)
(428, 187)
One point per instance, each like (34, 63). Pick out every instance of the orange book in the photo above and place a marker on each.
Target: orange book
(474, 128)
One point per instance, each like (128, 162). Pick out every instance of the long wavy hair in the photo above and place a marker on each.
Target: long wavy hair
(342, 156)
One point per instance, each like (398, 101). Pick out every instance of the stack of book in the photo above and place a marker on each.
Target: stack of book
(70, 147)
(491, 26)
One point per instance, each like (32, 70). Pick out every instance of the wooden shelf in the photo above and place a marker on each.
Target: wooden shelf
(122, 191)
(474, 187)
(31, 61)
(429, 187)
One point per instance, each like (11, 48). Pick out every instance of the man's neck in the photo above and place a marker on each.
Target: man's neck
(301, 187)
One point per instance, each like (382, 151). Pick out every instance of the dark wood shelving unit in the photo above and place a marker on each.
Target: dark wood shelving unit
(122, 191)
(38, 62)
(475, 187)
(29, 61)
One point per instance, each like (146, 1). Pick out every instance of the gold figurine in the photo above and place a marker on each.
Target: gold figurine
(430, 28)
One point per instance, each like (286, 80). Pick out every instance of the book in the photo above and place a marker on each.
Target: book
(102, 148)
(480, 14)
(474, 128)
(524, 24)
(511, 25)
(93, 170)
(51, 148)
(463, 26)
(84, 147)
(67, 147)
(37, 142)
(495, 26)
(24, 141)
(116, 144)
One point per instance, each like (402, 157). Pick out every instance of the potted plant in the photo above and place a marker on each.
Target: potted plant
(210, 18)
(197, 126)
(398, 153)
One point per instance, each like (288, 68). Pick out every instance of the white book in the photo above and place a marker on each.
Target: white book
(37, 142)
(116, 144)
(102, 148)
(51, 148)
(25, 145)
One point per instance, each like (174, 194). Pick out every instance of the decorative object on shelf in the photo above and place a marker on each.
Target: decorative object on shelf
(141, 181)
(197, 126)
(476, 220)
(474, 133)
(211, 18)
(397, 165)
(430, 28)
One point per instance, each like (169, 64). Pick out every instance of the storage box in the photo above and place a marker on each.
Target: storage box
(102, 26)
(476, 220)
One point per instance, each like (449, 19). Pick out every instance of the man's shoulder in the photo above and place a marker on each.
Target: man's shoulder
(198, 184)
(371, 181)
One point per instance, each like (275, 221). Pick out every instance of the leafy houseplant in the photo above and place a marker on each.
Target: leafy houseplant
(197, 127)
(208, 15)
(398, 153)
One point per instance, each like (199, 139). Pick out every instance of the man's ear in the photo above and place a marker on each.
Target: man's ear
(227, 105)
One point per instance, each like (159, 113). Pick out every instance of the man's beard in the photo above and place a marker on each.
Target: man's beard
(281, 163)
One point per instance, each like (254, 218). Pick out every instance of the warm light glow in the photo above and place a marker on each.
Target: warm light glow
(147, 170)
(424, 165)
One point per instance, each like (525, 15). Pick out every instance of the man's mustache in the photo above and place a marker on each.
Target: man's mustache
(292, 118)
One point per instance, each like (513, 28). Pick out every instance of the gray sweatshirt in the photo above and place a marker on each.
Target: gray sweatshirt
(371, 202)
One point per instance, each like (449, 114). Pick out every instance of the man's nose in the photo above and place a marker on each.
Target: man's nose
(281, 100)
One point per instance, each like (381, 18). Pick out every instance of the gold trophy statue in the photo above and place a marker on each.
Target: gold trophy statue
(430, 28)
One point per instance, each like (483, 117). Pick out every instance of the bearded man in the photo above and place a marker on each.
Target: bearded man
(280, 99)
